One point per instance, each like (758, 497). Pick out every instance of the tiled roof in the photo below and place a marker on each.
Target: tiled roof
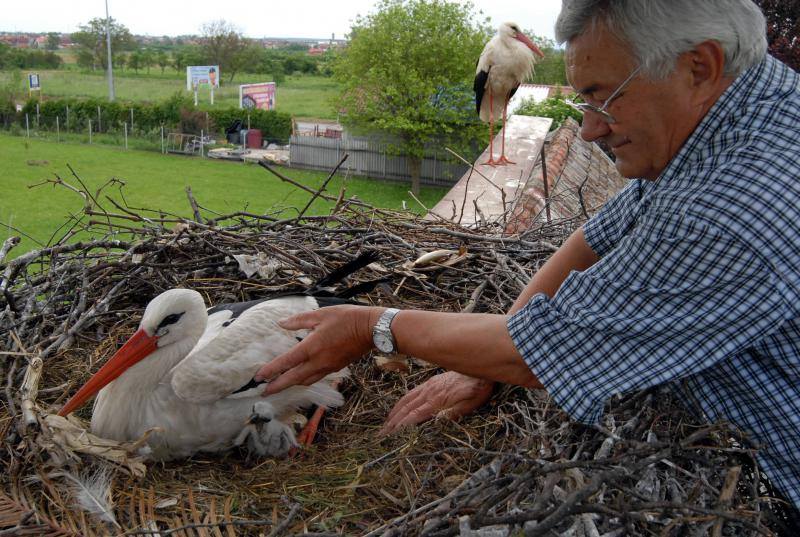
(581, 178)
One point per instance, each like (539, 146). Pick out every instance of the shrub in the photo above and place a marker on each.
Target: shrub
(177, 112)
(553, 107)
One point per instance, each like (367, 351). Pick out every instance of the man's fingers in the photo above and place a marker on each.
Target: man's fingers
(410, 416)
(301, 321)
(294, 376)
(405, 402)
(292, 358)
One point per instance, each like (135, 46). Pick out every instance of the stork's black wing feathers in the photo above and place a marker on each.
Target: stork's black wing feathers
(512, 92)
(250, 385)
(340, 273)
(480, 88)
(324, 296)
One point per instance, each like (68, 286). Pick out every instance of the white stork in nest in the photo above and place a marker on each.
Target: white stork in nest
(506, 61)
(189, 372)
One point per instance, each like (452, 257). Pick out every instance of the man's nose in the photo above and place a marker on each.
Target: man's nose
(593, 127)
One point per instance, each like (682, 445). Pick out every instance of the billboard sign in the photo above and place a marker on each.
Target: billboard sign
(33, 81)
(261, 96)
(197, 75)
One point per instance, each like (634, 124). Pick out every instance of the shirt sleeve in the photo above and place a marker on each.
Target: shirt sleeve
(603, 231)
(653, 310)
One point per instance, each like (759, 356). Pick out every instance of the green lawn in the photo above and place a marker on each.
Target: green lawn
(158, 182)
(303, 96)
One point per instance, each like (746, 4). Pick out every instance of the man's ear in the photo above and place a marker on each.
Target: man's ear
(706, 63)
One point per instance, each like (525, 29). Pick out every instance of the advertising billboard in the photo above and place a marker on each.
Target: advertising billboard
(261, 96)
(197, 75)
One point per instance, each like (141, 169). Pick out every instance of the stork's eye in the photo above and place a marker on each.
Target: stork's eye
(170, 319)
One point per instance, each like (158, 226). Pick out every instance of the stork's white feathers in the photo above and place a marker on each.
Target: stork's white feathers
(221, 366)
(506, 62)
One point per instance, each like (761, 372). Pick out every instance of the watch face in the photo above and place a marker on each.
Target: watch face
(383, 342)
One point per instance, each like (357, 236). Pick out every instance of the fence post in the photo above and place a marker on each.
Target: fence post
(37, 115)
(162, 138)
(27, 126)
(67, 117)
(131, 120)
(58, 131)
(125, 126)
(99, 123)
(90, 132)
(201, 143)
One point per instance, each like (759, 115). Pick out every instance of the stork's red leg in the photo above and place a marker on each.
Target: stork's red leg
(306, 436)
(491, 161)
(503, 160)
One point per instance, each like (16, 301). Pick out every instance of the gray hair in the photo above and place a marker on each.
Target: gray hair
(658, 31)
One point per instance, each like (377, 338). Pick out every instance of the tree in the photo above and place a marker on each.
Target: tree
(248, 59)
(148, 59)
(135, 61)
(408, 72)
(91, 42)
(162, 60)
(551, 69)
(222, 43)
(783, 29)
(53, 41)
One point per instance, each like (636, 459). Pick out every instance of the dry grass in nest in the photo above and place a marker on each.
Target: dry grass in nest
(518, 465)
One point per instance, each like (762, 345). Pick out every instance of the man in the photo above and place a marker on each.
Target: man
(690, 276)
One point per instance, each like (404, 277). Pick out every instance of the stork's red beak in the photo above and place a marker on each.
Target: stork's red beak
(135, 349)
(530, 44)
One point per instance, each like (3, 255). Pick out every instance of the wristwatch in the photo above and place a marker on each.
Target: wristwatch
(382, 336)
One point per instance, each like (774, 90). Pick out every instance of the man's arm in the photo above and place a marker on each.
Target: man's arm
(574, 254)
(455, 394)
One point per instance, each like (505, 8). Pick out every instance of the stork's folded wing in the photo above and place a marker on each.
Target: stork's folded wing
(224, 362)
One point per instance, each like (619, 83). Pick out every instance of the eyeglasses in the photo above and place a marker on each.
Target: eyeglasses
(605, 116)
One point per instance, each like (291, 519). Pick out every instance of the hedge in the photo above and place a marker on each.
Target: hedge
(148, 117)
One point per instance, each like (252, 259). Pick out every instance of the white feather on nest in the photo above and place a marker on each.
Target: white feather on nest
(92, 493)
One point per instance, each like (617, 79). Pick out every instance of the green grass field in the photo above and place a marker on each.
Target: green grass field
(304, 96)
(157, 181)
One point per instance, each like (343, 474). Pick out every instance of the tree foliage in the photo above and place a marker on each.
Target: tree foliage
(783, 29)
(91, 42)
(53, 41)
(20, 58)
(552, 107)
(222, 44)
(551, 69)
(407, 72)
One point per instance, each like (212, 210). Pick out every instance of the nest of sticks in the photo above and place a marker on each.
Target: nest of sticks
(516, 467)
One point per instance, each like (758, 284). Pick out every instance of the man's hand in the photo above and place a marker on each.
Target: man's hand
(449, 394)
(339, 336)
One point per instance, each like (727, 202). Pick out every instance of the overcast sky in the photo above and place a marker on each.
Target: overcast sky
(255, 18)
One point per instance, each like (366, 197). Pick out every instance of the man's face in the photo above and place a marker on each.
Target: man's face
(653, 119)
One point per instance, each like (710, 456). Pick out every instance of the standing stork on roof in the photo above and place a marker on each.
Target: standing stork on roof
(188, 372)
(506, 61)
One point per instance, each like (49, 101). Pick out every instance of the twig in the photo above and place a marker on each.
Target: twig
(193, 203)
(8, 244)
(321, 189)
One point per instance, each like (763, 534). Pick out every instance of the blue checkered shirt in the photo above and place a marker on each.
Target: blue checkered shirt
(698, 283)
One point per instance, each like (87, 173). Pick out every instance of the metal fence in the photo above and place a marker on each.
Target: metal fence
(370, 158)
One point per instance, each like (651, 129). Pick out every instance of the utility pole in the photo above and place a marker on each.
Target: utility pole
(108, 61)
